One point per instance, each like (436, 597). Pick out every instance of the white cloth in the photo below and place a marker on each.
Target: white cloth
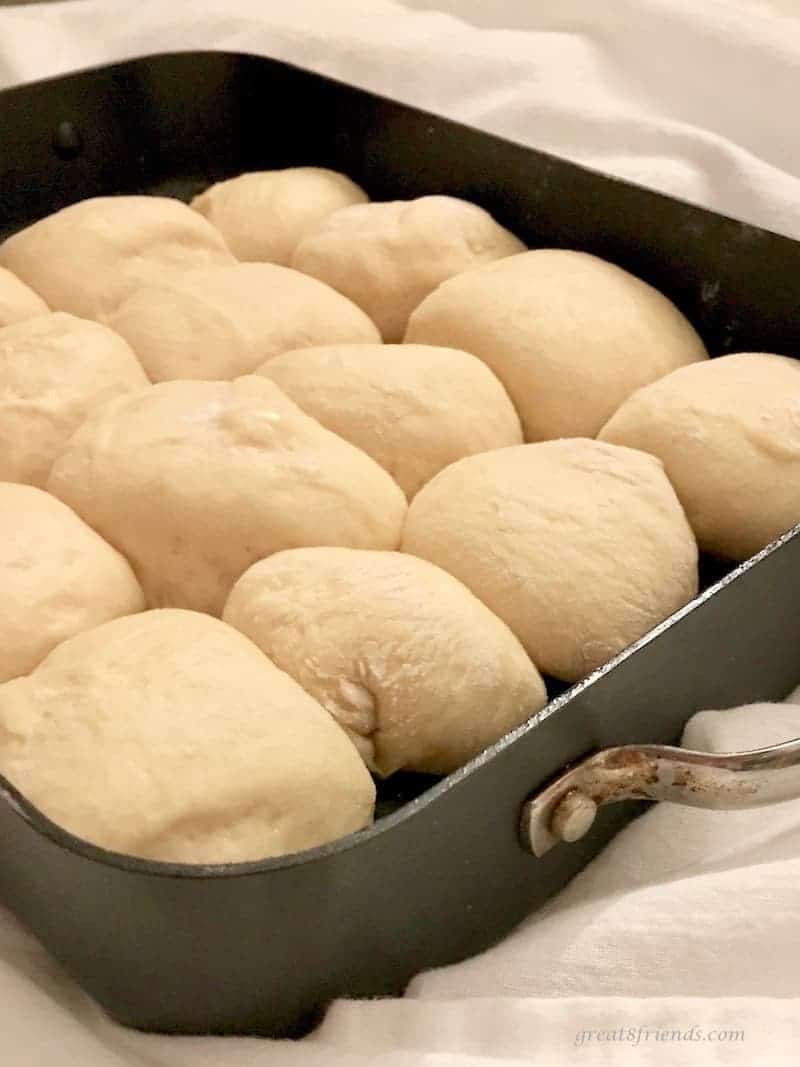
(689, 919)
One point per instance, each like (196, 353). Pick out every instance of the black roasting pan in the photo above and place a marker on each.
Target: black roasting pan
(260, 948)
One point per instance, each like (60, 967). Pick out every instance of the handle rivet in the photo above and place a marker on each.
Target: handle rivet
(573, 816)
(67, 140)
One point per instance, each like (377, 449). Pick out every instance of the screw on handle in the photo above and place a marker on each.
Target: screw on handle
(565, 809)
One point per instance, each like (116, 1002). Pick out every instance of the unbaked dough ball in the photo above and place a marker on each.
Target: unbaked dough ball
(222, 322)
(728, 434)
(417, 670)
(57, 577)
(581, 547)
(17, 300)
(89, 256)
(169, 736)
(387, 257)
(413, 408)
(264, 214)
(568, 334)
(54, 369)
(195, 481)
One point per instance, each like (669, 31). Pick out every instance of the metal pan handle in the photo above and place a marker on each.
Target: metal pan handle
(565, 809)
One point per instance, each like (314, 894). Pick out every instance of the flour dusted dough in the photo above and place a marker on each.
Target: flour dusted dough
(195, 481)
(413, 408)
(264, 214)
(416, 669)
(17, 300)
(89, 256)
(387, 257)
(581, 547)
(54, 369)
(728, 434)
(57, 577)
(168, 735)
(222, 322)
(568, 334)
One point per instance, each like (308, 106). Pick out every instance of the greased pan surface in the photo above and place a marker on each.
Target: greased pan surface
(260, 948)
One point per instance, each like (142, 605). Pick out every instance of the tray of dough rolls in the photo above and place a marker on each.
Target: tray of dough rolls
(359, 473)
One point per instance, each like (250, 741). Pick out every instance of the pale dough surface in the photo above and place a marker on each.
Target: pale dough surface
(416, 669)
(264, 214)
(728, 434)
(57, 578)
(86, 258)
(195, 481)
(568, 334)
(388, 256)
(17, 300)
(222, 322)
(169, 736)
(413, 408)
(54, 369)
(581, 547)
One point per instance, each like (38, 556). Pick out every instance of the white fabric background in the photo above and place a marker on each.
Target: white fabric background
(688, 918)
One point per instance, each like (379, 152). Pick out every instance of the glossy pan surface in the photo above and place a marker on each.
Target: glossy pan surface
(261, 948)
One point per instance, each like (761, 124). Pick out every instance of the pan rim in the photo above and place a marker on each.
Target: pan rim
(233, 54)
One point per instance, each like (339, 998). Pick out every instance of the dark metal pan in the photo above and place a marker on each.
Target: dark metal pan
(261, 947)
